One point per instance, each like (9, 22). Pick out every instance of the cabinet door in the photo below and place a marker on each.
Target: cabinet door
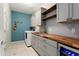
(51, 51)
(38, 17)
(34, 41)
(49, 48)
(41, 49)
(42, 52)
(33, 21)
(75, 11)
(37, 43)
(62, 12)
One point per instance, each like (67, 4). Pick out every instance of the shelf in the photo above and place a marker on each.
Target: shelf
(53, 16)
(71, 21)
(50, 9)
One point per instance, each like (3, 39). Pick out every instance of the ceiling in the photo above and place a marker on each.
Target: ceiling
(28, 8)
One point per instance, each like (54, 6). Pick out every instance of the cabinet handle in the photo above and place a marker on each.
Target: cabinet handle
(2, 42)
(69, 20)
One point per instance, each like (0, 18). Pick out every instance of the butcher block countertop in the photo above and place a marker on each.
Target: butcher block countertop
(73, 42)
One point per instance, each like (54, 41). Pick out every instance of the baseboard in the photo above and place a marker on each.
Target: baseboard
(26, 44)
(16, 42)
(36, 51)
(7, 45)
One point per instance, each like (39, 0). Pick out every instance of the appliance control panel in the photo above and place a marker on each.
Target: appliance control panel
(68, 52)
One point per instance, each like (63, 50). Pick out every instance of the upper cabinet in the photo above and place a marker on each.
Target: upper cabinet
(67, 12)
(63, 12)
(36, 17)
(39, 15)
(33, 23)
(50, 13)
(75, 11)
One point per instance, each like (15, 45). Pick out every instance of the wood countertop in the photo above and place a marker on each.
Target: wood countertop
(70, 41)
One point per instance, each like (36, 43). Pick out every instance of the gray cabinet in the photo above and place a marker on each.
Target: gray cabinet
(63, 12)
(51, 43)
(34, 41)
(51, 50)
(50, 47)
(43, 46)
(75, 10)
(67, 11)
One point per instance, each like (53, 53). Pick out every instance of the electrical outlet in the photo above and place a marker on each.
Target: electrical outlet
(73, 30)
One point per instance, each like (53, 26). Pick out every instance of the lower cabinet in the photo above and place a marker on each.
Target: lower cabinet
(52, 51)
(43, 46)
(42, 52)
(34, 42)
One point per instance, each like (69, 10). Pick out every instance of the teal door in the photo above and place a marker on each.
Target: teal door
(22, 25)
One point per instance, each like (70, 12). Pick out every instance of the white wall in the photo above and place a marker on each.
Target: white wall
(5, 27)
(7, 16)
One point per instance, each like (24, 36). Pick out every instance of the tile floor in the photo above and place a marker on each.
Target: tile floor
(19, 49)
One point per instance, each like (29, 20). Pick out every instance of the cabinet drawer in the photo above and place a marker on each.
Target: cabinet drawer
(33, 41)
(51, 42)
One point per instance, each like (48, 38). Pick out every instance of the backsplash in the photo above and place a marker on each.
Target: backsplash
(65, 29)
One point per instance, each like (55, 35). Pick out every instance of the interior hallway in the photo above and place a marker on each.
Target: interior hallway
(20, 49)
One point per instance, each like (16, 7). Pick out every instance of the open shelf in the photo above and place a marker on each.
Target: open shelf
(53, 16)
(50, 9)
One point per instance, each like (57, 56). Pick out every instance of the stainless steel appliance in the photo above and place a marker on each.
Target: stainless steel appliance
(67, 51)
